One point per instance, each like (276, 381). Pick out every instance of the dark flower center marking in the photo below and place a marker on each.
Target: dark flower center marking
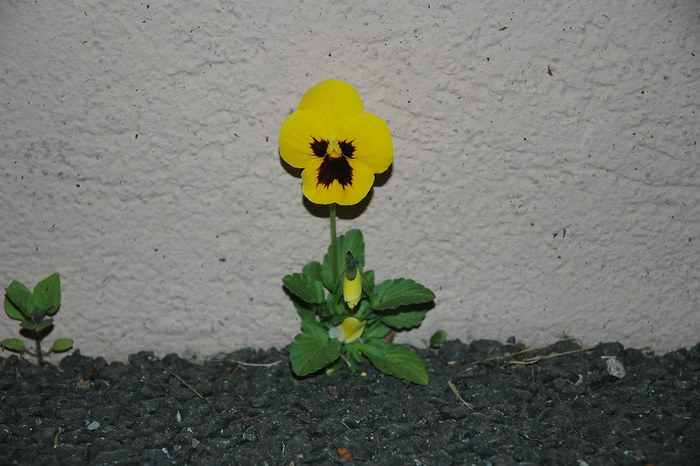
(347, 148)
(333, 168)
(319, 147)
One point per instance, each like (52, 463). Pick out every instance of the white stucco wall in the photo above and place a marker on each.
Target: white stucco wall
(138, 158)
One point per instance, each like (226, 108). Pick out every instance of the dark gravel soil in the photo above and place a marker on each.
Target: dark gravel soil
(507, 407)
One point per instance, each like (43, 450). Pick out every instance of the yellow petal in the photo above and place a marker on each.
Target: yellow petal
(352, 329)
(334, 101)
(351, 194)
(296, 135)
(371, 138)
(352, 290)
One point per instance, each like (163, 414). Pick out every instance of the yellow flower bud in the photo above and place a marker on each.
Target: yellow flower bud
(349, 330)
(352, 289)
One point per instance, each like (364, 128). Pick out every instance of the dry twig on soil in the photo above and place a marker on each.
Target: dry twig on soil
(510, 358)
(459, 397)
(186, 384)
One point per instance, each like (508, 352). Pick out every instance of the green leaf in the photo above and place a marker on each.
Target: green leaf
(29, 325)
(338, 310)
(350, 241)
(61, 345)
(47, 295)
(368, 282)
(313, 270)
(438, 338)
(391, 294)
(401, 320)
(335, 367)
(376, 330)
(399, 361)
(328, 310)
(352, 356)
(313, 328)
(12, 311)
(44, 324)
(352, 350)
(305, 287)
(361, 311)
(312, 350)
(306, 314)
(21, 298)
(13, 344)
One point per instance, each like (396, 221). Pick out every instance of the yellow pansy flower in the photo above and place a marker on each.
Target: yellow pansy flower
(338, 145)
(349, 330)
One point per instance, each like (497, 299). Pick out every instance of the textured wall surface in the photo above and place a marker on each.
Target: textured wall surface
(138, 158)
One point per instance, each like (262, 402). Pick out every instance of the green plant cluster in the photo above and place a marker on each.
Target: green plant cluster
(392, 305)
(34, 311)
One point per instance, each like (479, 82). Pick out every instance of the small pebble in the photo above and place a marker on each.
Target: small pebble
(94, 425)
(615, 367)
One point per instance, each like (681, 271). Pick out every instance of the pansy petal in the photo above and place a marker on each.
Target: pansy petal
(350, 194)
(337, 333)
(371, 138)
(362, 181)
(296, 135)
(352, 328)
(334, 101)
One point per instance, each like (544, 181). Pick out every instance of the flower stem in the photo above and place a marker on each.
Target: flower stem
(39, 354)
(334, 245)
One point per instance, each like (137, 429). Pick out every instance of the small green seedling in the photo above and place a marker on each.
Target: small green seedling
(437, 339)
(34, 310)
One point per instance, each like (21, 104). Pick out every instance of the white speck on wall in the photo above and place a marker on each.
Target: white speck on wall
(139, 149)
